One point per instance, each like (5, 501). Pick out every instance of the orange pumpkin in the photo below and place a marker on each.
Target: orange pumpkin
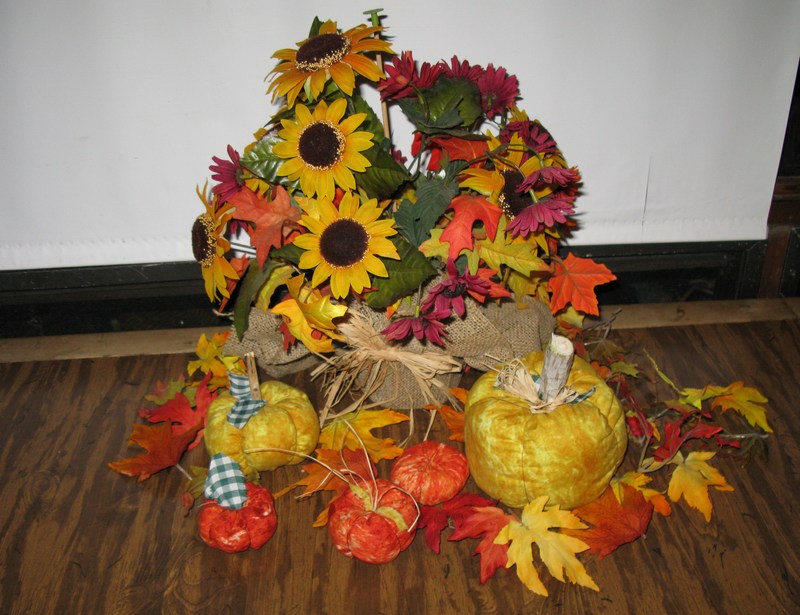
(568, 454)
(431, 472)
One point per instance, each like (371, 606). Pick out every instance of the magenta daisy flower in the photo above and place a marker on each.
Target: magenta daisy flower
(449, 295)
(498, 89)
(533, 134)
(424, 327)
(550, 176)
(544, 214)
(227, 174)
(403, 80)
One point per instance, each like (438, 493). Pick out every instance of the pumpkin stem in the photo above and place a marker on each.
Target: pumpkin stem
(557, 363)
(252, 375)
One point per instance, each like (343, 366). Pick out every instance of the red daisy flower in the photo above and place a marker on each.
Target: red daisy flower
(552, 176)
(533, 134)
(449, 295)
(461, 70)
(227, 174)
(424, 327)
(499, 90)
(400, 75)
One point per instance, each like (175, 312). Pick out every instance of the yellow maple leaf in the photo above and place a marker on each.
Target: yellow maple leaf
(745, 401)
(435, 246)
(307, 311)
(637, 480)
(277, 277)
(354, 431)
(557, 550)
(503, 251)
(691, 479)
(210, 358)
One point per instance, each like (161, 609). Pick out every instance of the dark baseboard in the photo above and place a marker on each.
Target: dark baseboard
(170, 295)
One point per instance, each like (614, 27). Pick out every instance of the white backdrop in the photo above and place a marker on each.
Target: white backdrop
(110, 110)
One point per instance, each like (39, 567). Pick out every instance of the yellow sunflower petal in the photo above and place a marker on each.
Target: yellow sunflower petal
(364, 66)
(343, 76)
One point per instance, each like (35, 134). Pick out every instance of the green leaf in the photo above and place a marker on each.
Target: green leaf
(449, 104)
(260, 160)
(405, 275)
(289, 253)
(254, 279)
(415, 220)
(385, 176)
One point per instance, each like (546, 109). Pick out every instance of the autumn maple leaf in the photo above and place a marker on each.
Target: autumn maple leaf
(163, 449)
(318, 475)
(638, 480)
(691, 479)
(462, 149)
(486, 523)
(745, 401)
(180, 413)
(573, 282)
(434, 519)
(613, 522)
(452, 418)
(556, 549)
(467, 210)
(270, 218)
(354, 431)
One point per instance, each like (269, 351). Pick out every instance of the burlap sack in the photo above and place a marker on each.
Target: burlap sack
(489, 333)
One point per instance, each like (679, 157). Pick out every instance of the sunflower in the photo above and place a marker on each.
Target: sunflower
(209, 246)
(330, 54)
(322, 148)
(344, 244)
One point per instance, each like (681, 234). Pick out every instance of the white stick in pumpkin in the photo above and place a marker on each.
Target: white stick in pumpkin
(557, 364)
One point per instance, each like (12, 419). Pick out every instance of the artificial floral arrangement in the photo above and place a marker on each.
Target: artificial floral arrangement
(328, 244)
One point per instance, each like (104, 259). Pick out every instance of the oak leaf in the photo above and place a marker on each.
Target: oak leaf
(614, 521)
(163, 449)
(354, 431)
(467, 210)
(271, 218)
(573, 282)
(486, 523)
(744, 400)
(556, 549)
(691, 479)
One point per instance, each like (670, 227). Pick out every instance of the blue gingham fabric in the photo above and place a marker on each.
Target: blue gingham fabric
(225, 482)
(245, 405)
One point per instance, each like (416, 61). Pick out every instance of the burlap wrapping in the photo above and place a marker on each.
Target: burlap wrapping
(489, 333)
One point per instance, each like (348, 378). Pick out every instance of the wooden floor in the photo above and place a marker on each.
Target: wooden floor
(78, 538)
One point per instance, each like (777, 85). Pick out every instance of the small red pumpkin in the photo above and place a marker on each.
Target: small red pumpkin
(232, 530)
(373, 521)
(431, 472)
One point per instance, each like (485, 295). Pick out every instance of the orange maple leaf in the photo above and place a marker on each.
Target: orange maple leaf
(467, 209)
(318, 477)
(462, 149)
(744, 400)
(614, 523)
(452, 418)
(573, 283)
(270, 218)
(164, 448)
(484, 522)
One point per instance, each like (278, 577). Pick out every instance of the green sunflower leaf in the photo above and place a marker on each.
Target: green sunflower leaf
(415, 220)
(253, 280)
(405, 275)
(385, 176)
(449, 104)
(260, 160)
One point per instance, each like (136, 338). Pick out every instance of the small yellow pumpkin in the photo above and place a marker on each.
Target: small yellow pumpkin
(287, 421)
(569, 454)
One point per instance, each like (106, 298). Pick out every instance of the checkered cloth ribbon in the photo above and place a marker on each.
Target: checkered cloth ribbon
(245, 405)
(225, 482)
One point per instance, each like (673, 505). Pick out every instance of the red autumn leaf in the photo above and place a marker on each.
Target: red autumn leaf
(673, 438)
(613, 523)
(573, 282)
(462, 149)
(495, 289)
(468, 209)
(434, 519)
(484, 522)
(270, 218)
(163, 447)
(179, 411)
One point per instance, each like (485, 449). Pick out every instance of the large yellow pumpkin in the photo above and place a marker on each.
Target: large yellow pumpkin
(569, 454)
(286, 421)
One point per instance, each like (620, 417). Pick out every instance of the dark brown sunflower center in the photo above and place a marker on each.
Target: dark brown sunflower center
(321, 51)
(343, 243)
(321, 145)
(203, 243)
(511, 201)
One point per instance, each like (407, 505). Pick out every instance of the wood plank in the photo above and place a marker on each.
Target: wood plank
(79, 538)
(172, 341)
